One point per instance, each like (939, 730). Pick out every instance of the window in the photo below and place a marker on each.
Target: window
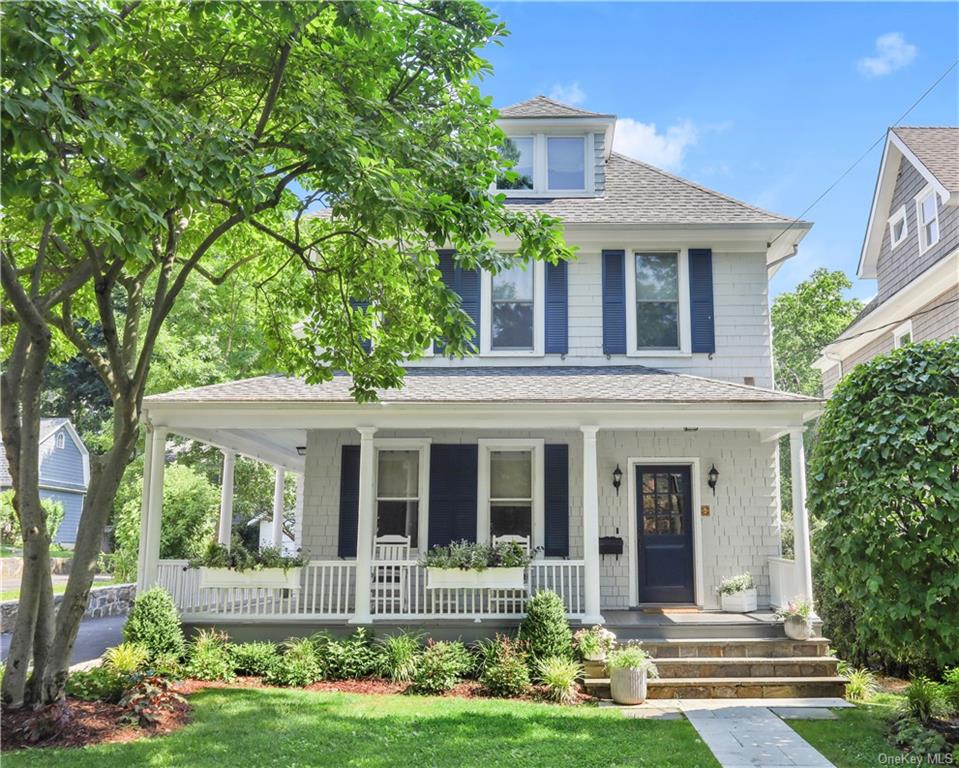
(657, 301)
(512, 307)
(902, 335)
(61, 440)
(398, 494)
(927, 215)
(519, 151)
(566, 162)
(511, 493)
(898, 229)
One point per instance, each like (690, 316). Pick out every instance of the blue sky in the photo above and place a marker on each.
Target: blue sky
(766, 102)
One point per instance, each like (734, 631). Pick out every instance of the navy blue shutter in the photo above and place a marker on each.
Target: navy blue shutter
(556, 470)
(557, 323)
(614, 302)
(349, 500)
(701, 300)
(466, 283)
(452, 514)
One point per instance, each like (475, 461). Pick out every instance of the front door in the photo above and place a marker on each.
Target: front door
(664, 522)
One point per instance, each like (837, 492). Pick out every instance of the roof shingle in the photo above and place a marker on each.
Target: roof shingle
(937, 149)
(540, 106)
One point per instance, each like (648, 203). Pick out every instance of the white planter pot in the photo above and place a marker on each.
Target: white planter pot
(598, 656)
(628, 686)
(797, 628)
(739, 602)
(267, 578)
(491, 578)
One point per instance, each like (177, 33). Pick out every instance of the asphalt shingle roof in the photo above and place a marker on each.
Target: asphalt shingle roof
(937, 149)
(540, 106)
(542, 384)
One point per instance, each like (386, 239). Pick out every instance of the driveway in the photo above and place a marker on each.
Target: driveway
(94, 637)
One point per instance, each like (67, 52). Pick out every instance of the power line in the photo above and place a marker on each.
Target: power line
(862, 157)
(901, 320)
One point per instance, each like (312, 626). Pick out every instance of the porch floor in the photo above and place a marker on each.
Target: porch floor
(665, 624)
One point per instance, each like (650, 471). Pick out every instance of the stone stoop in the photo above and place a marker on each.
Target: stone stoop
(734, 668)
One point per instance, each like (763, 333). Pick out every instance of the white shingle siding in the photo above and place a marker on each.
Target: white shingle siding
(599, 161)
(740, 534)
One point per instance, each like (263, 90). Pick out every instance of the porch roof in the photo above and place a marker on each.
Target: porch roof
(520, 384)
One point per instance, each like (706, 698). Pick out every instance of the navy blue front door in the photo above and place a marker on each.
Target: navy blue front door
(664, 522)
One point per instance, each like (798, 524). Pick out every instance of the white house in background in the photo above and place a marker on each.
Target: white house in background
(602, 395)
(911, 249)
(64, 474)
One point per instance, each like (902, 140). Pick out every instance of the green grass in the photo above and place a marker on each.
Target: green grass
(55, 551)
(292, 728)
(58, 589)
(858, 737)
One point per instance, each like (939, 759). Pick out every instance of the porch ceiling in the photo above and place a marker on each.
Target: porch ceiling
(273, 446)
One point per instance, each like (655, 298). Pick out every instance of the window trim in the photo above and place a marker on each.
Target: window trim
(685, 324)
(61, 440)
(421, 444)
(539, 316)
(545, 170)
(486, 447)
(899, 332)
(898, 216)
(920, 225)
(541, 165)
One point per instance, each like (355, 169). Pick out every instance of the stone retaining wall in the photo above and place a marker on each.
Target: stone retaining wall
(11, 568)
(113, 600)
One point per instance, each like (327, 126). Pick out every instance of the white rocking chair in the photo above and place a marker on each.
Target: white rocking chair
(389, 581)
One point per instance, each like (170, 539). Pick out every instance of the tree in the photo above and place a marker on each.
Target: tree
(148, 143)
(884, 482)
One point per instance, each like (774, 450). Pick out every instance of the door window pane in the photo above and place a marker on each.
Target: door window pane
(511, 493)
(657, 301)
(519, 152)
(512, 308)
(398, 494)
(565, 157)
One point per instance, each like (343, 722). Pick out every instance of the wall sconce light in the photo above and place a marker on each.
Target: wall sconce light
(713, 476)
(301, 450)
(617, 478)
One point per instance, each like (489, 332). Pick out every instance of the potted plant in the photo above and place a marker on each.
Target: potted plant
(469, 565)
(629, 668)
(738, 594)
(239, 567)
(593, 644)
(796, 619)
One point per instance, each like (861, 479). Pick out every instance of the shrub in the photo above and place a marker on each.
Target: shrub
(10, 521)
(884, 484)
(632, 657)
(346, 659)
(505, 672)
(166, 665)
(126, 658)
(860, 682)
(560, 676)
(146, 702)
(911, 735)
(950, 684)
(926, 700)
(297, 666)
(442, 666)
(545, 629)
(155, 624)
(97, 684)
(398, 656)
(210, 656)
(255, 659)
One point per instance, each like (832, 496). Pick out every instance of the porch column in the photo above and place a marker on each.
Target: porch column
(364, 528)
(278, 488)
(802, 555)
(298, 511)
(154, 508)
(144, 509)
(591, 527)
(225, 529)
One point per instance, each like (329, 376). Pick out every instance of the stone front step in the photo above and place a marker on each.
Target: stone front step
(732, 688)
(759, 648)
(810, 666)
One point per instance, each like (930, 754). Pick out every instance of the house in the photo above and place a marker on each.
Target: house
(64, 474)
(911, 249)
(625, 397)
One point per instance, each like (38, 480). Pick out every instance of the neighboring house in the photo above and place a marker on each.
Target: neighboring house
(911, 249)
(64, 473)
(625, 396)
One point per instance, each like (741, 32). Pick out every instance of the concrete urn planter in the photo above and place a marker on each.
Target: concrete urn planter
(797, 628)
(739, 602)
(628, 686)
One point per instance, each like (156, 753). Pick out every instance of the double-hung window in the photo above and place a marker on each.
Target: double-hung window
(927, 215)
(512, 309)
(511, 493)
(657, 301)
(398, 493)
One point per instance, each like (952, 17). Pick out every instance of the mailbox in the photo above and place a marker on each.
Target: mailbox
(610, 545)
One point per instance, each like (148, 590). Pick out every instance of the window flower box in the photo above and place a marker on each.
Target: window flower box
(488, 578)
(265, 578)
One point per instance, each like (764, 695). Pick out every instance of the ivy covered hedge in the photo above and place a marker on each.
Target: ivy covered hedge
(884, 486)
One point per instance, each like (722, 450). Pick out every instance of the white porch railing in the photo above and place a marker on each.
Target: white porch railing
(397, 591)
(784, 582)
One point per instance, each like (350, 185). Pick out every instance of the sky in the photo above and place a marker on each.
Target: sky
(767, 102)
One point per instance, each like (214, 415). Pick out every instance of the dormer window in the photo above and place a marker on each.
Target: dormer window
(519, 151)
(547, 164)
(566, 162)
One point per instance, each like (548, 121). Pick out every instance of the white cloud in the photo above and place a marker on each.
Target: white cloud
(568, 94)
(892, 53)
(643, 142)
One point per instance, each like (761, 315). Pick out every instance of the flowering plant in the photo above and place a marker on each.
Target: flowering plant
(596, 641)
(794, 608)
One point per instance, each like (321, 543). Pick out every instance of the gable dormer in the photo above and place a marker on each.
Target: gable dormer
(557, 150)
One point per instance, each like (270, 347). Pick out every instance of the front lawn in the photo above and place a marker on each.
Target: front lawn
(262, 727)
